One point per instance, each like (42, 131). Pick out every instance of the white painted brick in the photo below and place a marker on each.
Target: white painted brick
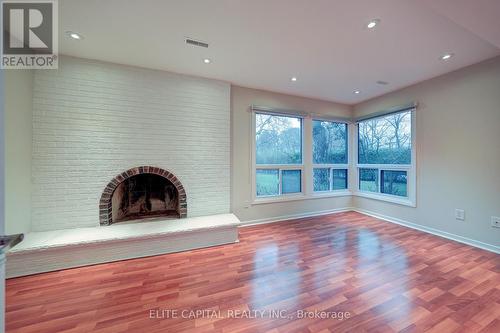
(94, 120)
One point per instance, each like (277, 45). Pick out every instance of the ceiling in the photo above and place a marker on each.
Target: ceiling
(263, 43)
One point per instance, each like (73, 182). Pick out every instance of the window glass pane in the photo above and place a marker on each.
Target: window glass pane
(394, 182)
(290, 181)
(368, 180)
(321, 179)
(385, 140)
(267, 182)
(339, 179)
(278, 139)
(329, 142)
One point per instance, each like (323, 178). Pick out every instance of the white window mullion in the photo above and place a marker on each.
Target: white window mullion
(307, 171)
(331, 179)
(379, 181)
(280, 186)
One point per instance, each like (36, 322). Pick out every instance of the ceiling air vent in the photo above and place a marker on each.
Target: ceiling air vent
(196, 42)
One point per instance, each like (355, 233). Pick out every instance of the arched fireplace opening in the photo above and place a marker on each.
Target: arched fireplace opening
(142, 192)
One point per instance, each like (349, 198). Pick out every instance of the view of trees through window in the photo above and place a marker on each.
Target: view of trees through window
(385, 140)
(291, 181)
(328, 179)
(368, 180)
(329, 149)
(339, 179)
(384, 154)
(278, 139)
(329, 142)
(393, 182)
(267, 182)
(278, 142)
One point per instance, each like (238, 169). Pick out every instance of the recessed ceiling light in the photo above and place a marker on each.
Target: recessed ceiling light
(293, 79)
(357, 92)
(446, 56)
(373, 23)
(207, 61)
(74, 35)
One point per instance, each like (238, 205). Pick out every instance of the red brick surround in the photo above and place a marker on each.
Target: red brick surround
(105, 210)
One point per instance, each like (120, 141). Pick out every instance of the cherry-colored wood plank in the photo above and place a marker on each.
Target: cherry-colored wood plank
(386, 277)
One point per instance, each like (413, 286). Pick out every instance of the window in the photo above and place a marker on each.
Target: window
(329, 142)
(385, 140)
(330, 156)
(339, 179)
(386, 158)
(268, 182)
(394, 182)
(278, 155)
(368, 180)
(291, 181)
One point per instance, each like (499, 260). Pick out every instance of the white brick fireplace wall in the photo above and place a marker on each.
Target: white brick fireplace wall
(94, 120)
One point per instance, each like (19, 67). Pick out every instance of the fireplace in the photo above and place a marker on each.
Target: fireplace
(142, 192)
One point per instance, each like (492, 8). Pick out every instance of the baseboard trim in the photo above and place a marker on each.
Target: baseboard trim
(294, 216)
(435, 232)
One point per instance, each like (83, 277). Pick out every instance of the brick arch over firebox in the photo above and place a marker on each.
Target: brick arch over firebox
(105, 207)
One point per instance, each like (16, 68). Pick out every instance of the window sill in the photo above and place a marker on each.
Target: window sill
(386, 198)
(297, 197)
(328, 194)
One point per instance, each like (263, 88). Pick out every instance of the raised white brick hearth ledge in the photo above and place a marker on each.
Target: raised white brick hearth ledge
(60, 249)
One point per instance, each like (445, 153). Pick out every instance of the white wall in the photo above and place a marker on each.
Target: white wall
(241, 100)
(94, 120)
(458, 152)
(18, 149)
(2, 216)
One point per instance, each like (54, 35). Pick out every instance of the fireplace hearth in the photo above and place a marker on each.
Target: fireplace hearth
(142, 193)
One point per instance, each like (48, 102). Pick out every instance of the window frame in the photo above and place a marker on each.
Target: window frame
(331, 166)
(410, 199)
(280, 167)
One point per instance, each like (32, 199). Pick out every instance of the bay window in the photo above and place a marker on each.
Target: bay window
(300, 156)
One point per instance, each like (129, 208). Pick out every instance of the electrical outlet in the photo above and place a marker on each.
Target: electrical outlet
(460, 214)
(495, 222)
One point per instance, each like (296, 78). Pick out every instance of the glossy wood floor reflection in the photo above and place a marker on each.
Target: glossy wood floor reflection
(387, 278)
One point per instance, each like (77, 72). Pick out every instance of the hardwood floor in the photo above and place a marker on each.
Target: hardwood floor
(383, 277)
